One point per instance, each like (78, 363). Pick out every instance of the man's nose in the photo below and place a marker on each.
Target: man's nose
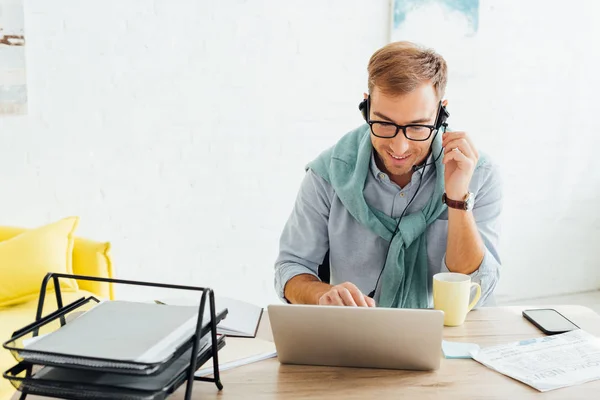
(399, 144)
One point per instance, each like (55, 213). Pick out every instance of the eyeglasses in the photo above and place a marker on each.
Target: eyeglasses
(388, 130)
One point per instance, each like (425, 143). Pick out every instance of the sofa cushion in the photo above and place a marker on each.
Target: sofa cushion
(93, 258)
(26, 258)
(90, 258)
(18, 316)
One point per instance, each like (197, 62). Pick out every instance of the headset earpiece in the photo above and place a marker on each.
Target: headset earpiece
(363, 106)
(442, 116)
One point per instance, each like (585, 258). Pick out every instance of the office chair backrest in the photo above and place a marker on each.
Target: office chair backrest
(324, 271)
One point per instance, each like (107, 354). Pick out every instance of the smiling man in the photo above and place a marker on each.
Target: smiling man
(395, 201)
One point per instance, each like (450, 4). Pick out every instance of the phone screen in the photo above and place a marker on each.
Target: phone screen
(551, 320)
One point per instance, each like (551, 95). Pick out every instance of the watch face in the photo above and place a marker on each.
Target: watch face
(470, 200)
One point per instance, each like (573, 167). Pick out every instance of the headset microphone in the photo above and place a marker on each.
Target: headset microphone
(415, 168)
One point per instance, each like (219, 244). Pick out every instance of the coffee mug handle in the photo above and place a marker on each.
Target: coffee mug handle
(477, 295)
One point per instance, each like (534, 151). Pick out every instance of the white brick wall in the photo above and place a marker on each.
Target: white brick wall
(179, 130)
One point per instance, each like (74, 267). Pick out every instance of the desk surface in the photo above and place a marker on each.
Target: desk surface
(456, 379)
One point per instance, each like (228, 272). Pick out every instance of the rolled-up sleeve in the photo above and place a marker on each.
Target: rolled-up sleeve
(487, 186)
(304, 240)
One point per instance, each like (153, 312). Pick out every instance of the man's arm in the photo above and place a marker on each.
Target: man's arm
(305, 289)
(465, 249)
(303, 245)
(473, 237)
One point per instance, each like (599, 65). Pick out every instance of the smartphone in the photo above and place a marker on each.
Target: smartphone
(549, 321)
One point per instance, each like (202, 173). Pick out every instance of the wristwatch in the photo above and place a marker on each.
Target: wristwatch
(466, 204)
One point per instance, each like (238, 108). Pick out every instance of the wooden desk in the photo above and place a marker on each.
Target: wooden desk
(456, 379)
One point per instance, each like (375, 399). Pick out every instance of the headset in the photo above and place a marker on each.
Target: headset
(440, 122)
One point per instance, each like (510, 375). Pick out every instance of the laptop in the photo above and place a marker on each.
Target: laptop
(387, 338)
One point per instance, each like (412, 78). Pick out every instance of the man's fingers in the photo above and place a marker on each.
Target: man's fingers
(331, 298)
(358, 297)
(346, 294)
(457, 156)
(343, 297)
(360, 300)
(449, 136)
(452, 136)
(462, 144)
(472, 145)
(347, 297)
(370, 302)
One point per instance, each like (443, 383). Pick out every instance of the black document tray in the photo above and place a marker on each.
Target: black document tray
(51, 322)
(82, 384)
(100, 379)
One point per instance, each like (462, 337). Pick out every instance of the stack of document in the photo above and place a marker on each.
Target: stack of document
(547, 363)
(123, 381)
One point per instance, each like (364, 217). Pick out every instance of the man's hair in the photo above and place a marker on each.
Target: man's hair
(400, 67)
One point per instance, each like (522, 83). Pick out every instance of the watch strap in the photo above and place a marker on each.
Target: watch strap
(460, 205)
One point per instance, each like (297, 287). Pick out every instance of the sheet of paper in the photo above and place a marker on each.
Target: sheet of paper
(458, 349)
(547, 363)
(238, 352)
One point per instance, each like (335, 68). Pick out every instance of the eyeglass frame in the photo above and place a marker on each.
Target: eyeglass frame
(432, 128)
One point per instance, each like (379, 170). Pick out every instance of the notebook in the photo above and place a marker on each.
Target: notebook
(242, 319)
(121, 331)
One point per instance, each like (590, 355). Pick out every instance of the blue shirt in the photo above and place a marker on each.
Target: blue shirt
(319, 222)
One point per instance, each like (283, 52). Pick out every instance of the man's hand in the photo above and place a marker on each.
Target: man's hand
(460, 159)
(346, 294)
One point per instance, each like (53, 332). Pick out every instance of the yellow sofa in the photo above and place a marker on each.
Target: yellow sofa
(88, 258)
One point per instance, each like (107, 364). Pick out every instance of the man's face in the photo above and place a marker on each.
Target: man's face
(398, 155)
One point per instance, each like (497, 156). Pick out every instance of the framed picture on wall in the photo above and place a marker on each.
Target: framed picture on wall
(13, 86)
(448, 26)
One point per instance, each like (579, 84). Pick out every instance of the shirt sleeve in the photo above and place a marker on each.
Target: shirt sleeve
(486, 211)
(304, 240)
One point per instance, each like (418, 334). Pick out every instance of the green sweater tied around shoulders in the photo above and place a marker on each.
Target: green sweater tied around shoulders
(345, 167)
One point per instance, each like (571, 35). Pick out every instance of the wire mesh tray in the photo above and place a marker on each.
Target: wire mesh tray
(17, 345)
(71, 383)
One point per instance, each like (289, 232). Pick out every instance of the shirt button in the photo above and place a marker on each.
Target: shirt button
(381, 175)
(401, 194)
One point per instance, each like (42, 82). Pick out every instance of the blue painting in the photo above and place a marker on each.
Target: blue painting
(13, 88)
(448, 26)
(468, 9)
